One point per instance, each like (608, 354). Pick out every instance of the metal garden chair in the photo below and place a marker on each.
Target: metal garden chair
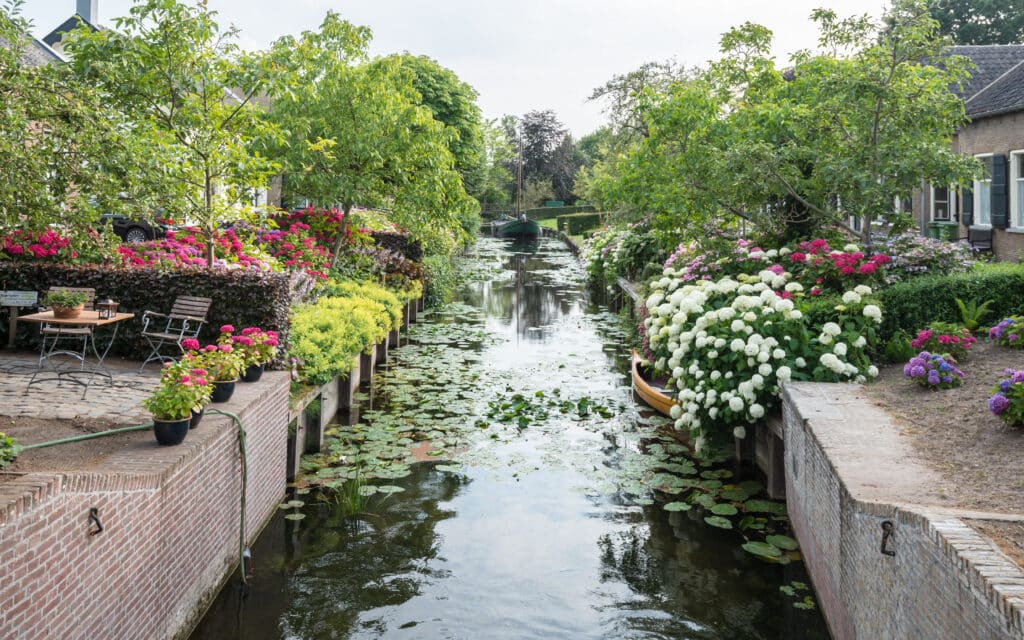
(55, 335)
(187, 317)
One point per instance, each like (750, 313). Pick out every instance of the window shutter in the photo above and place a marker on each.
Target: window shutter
(967, 206)
(1000, 194)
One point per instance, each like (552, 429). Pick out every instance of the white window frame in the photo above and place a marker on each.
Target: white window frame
(1015, 184)
(980, 220)
(950, 204)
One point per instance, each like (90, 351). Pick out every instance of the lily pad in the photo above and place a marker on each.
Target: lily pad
(719, 521)
(763, 549)
(724, 510)
(295, 516)
(676, 506)
(783, 542)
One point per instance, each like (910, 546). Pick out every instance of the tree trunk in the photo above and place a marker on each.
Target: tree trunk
(339, 239)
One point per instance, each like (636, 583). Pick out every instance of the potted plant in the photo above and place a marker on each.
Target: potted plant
(66, 304)
(257, 346)
(193, 378)
(182, 390)
(224, 364)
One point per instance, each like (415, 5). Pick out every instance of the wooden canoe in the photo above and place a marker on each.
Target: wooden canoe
(650, 392)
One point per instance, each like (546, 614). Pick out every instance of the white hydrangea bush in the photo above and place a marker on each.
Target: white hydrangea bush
(729, 344)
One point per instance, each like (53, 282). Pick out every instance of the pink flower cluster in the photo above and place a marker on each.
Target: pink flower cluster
(296, 248)
(188, 249)
(28, 245)
(256, 345)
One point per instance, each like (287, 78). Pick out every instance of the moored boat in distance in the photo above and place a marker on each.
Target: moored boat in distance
(521, 227)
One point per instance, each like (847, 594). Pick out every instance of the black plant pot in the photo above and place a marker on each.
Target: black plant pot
(196, 418)
(253, 373)
(222, 391)
(170, 432)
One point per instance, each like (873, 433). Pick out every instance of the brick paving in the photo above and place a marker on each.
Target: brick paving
(119, 400)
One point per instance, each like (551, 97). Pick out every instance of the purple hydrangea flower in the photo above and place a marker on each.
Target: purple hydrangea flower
(933, 377)
(916, 371)
(998, 403)
(1004, 386)
(1017, 376)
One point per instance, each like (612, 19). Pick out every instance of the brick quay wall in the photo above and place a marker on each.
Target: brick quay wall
(850, 476)
(171, 518)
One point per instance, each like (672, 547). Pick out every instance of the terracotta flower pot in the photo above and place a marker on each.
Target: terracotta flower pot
(67, 312)
(223, 390)
(170, 432)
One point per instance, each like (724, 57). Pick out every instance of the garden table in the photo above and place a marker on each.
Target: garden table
(84, 325)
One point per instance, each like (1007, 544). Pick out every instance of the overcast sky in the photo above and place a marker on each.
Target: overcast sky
(520, 55)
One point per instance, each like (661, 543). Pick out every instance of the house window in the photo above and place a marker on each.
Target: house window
(1017, 188)
(943, 203)
(983, 192)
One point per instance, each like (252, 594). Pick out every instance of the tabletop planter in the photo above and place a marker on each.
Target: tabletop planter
(256, 347)
(66, 304)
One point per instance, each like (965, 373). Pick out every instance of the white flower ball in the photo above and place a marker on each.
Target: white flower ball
(778, 282)
(795, 314)
(720, 343)
(839, 349)
(800, 362)
(756, 411)
(873, 312)
(736, 404)
(863, 289)
(860, 342)
(716, 374)
(831, 329)
(778, 354)
(737, 325)
(737, 345)
(851, 297)
(872, 371)
(784, 374)
(713, 412)
(751, 349)
(739, 432)
(851, 248)
(825, 339)
(765, 369)
(794, 287)
(749, 316)
(675, 411)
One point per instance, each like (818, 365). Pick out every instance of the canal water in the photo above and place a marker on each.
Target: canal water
(536, 521)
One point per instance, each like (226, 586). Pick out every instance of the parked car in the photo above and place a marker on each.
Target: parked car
(137, 230)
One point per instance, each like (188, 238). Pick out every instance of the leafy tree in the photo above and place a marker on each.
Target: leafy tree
(498, 154)
(621, 96)
(58, 143)
(452, 102)
(355, 134)
(189, 97)
(542, 132)
(840, 135)
(980, 21)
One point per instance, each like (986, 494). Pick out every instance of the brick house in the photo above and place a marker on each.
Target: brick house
(990, 213)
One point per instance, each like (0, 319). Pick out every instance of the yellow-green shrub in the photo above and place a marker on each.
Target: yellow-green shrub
(370, 291)
(328, 335)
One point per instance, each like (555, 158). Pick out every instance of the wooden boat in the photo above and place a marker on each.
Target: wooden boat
(516, 228)
(650, 391)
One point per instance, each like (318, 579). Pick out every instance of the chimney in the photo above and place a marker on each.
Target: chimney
(89, 10)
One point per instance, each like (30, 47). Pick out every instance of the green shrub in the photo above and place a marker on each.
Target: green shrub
(441, 280)
(546, 213)
(371, 291)
(240, 297)
(912, 305)
(579, 222)
(327, 336)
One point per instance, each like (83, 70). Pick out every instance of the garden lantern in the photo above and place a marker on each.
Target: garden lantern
(106, 308)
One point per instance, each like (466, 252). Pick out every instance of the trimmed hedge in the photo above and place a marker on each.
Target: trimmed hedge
(579, 222)
(546, 213)
(910, 306)
(400, 242)
(240, 298)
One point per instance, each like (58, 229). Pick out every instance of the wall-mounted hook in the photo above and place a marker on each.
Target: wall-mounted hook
(887, 532)
(94, 519)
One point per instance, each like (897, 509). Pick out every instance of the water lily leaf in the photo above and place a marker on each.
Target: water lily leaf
(724, 510)
(367, 490)
(296, 503)
(449, 468)
(763, 549)
(764, 506)
(643, 502)
(390, 488)
(734, 493)
(295, 516)
(705, 500)
(718, 521)
(783, 542)
(676, 506)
